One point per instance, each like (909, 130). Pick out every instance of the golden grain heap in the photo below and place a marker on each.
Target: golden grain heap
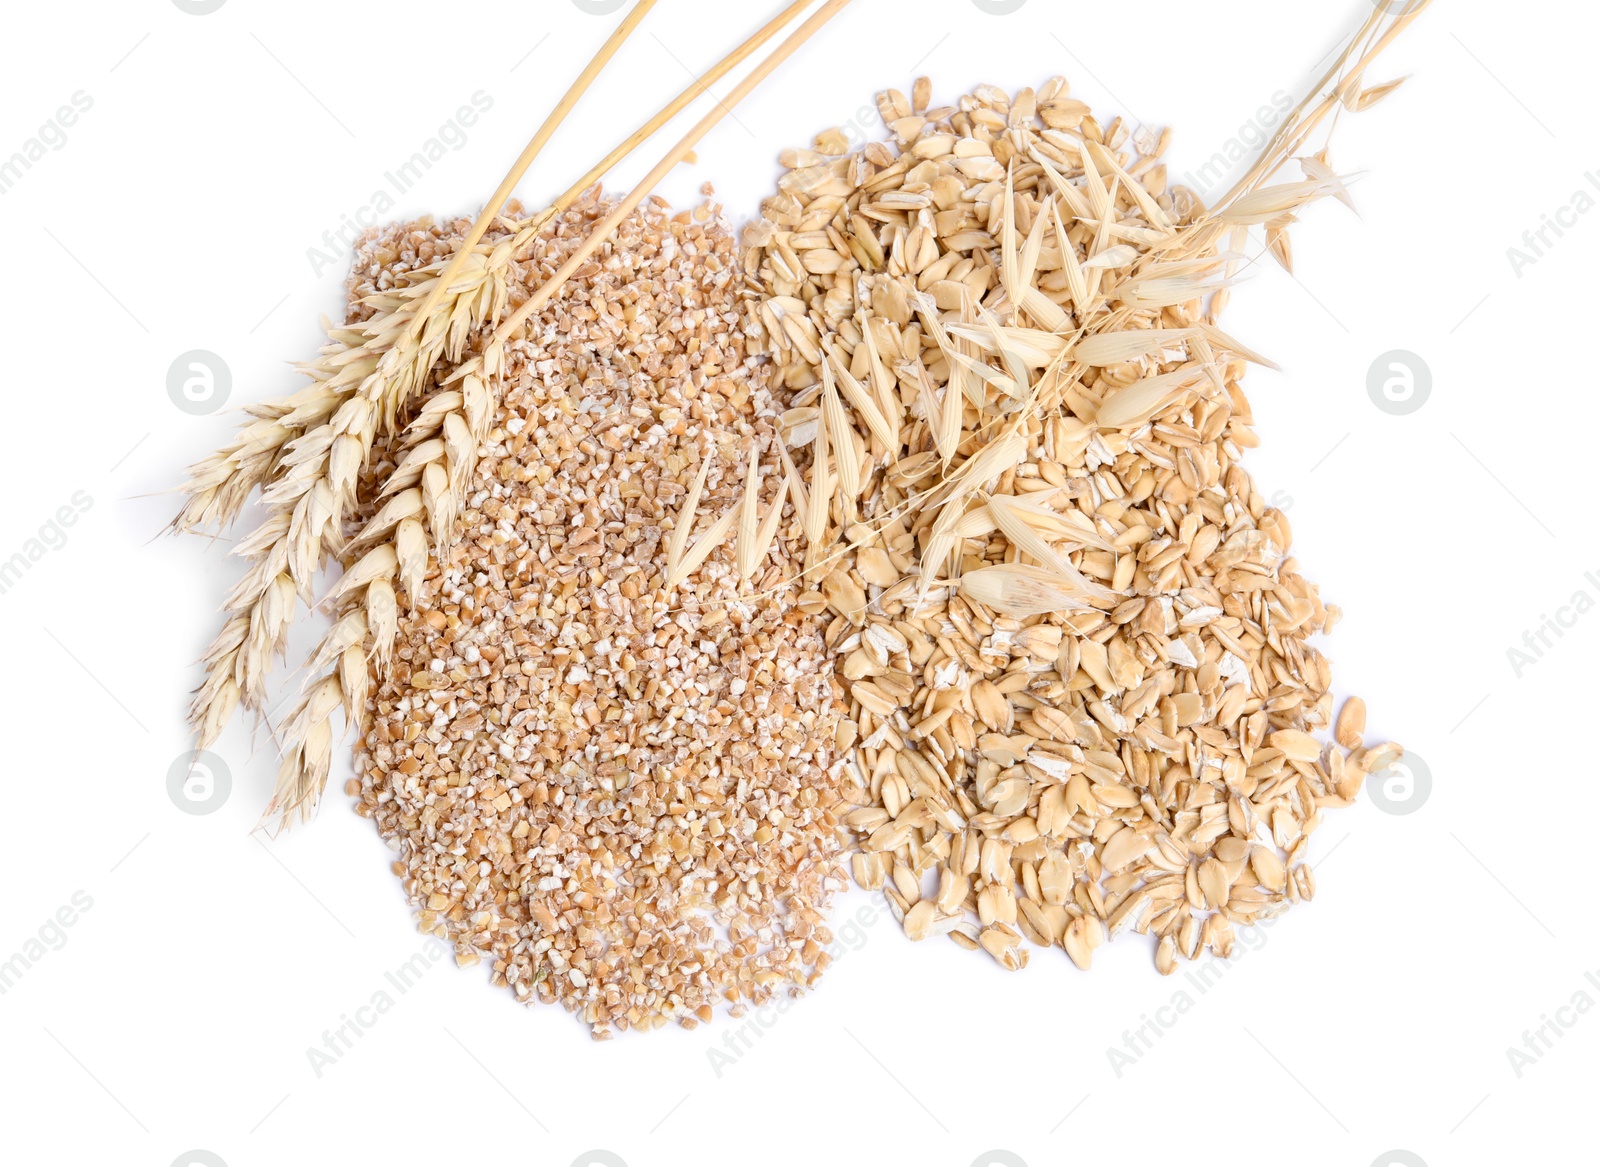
(1082, 699)
(606, 736)
(912, 531)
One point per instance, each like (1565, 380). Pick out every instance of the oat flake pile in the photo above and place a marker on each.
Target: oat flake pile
(1081, 694)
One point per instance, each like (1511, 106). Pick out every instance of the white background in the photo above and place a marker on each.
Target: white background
(177, 1012)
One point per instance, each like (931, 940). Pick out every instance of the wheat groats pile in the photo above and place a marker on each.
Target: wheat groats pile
(591, 774)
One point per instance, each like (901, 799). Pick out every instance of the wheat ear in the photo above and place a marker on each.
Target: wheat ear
(307, 502)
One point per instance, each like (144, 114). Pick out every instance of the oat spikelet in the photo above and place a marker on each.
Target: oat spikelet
(1223, 341)
(846, 455)
(748, 555)
(816, 519)
(1114, 348)
(1028, 261)
(685, 522)
(882, 382)
(1017, 368)
(792, 478)
(948, 528)
(1269, 202)
(1153, 212)
(1021, 590)
(994, 459)
(1062, 526)
(1016, 524)
(1077, 282)
(866, 408)
(1135, 404)
(1020, 290)
(1030, 348)
(960, 377)
(943, 414)
(769, 525)
(703, 547)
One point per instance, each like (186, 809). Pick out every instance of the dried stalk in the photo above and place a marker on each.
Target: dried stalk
(671, 110)
(677, 154)
(531, 151)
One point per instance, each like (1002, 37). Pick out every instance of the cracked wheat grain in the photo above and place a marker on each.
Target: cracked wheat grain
(621, 794)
